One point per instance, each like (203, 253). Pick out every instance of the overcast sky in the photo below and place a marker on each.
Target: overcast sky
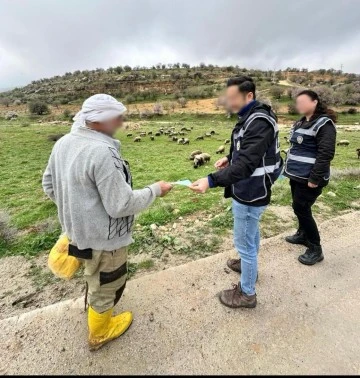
(42, 38)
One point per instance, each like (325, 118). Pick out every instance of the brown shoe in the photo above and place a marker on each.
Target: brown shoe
(235, 298)
(234, 264)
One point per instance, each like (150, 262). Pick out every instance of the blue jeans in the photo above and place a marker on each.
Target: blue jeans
(247, 242)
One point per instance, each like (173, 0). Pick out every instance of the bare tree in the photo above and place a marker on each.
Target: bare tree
(220, 102)
(292, 109)
(5, 101)
(276, 91)
(326, 94)
(182, 102)
(158, 109)
(173, 106)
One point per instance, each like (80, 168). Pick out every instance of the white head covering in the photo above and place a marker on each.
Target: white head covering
(98, 108)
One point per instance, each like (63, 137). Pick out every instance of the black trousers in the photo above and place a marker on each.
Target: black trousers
(303, 198)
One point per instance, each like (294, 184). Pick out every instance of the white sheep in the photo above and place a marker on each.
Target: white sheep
(343, 142)
(220, 150)
(194, 153)
(201, 159)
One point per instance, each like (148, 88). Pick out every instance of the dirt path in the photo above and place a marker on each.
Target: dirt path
(286, 83)
(306, 322)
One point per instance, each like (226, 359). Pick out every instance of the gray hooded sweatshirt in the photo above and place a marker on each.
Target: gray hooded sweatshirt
(91, 185)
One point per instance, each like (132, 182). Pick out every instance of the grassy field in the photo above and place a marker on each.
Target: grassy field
(28, 223)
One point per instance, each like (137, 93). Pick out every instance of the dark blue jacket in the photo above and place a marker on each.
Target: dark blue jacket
(254, 157)
(312, 149)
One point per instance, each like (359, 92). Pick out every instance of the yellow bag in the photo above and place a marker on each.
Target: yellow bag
(59, 262)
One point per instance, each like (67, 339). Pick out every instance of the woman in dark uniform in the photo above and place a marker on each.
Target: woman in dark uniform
(313, 140)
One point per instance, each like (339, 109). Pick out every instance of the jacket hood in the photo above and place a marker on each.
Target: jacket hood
(260, 107)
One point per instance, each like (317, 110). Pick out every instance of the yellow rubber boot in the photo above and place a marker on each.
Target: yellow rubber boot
(104, 327)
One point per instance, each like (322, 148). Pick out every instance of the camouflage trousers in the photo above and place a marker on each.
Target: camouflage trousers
(105, 275)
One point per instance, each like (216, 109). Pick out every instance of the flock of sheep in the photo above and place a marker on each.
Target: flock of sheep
(198, 157)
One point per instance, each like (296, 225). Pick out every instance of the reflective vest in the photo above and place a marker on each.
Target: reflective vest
(302, 153)
(256, 186)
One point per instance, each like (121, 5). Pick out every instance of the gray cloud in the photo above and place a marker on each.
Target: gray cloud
(41, 38)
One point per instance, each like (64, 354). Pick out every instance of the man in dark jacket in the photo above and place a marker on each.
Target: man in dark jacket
(247, 174)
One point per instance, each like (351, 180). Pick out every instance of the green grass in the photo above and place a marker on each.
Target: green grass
(342, 119)
(24, 152)
(41, 277)
(143, 265)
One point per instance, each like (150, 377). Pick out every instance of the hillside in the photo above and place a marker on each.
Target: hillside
(171, 82)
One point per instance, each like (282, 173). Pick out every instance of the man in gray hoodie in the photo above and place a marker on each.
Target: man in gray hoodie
(92, 187)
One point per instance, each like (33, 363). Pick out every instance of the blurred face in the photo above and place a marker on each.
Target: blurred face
(110, 127)
(236, 100)
(305, 105)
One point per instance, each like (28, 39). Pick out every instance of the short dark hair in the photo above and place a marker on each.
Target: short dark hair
(245, 84)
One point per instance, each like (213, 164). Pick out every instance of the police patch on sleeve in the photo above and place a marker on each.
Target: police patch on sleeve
(299, 139)
(238, 145)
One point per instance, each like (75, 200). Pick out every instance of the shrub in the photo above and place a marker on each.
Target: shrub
(150, 95)
(276, 92)
(300, 79)
(352, 111)
(339, 98)
(199, 92)
(118, 69)
(38, 108)
(353, 99)
(294, 92)
(158, 109)
(221, 101)
(146, 113)
(169, 105)
(5, 101)
(326, 94)
(275, 106)
(292, 109)
(17, 102)
(64, 100)
(129, 99)
(11, 115)
(66, 113)
(7, 233)
(182, 102)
